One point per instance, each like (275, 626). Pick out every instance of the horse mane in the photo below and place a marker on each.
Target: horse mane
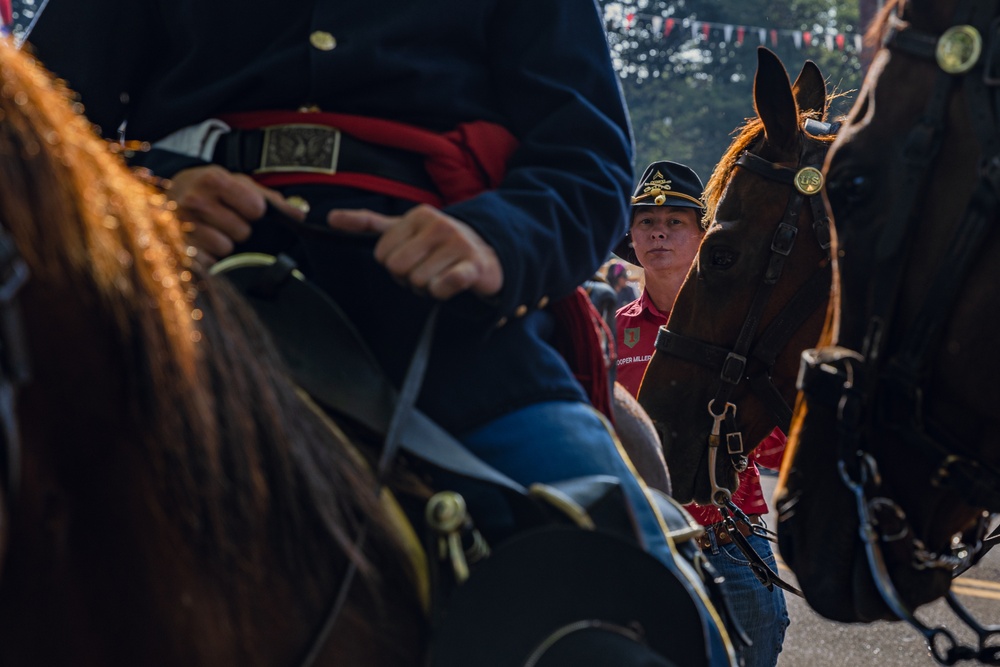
(746, 136)
(876, 30)
(229, 449)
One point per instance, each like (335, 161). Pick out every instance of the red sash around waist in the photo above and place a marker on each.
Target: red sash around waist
(462, 162)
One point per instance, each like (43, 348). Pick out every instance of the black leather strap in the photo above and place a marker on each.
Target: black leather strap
(15, 366)
(329, 359)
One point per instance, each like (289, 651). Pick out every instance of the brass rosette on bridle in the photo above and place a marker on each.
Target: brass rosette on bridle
(809, 180)
(958, 49)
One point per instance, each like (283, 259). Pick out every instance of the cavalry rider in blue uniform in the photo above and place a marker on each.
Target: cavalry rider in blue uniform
(485, 142)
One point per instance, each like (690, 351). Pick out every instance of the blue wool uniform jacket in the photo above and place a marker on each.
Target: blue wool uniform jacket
(540, 68)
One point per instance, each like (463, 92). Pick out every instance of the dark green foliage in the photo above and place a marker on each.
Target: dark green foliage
(687, 95)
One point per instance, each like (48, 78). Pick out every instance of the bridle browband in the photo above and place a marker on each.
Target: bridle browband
(734, 365)
(877, 389)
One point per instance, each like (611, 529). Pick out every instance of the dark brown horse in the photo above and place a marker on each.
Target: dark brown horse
(756, 294)
(894, 455)
(170, 500)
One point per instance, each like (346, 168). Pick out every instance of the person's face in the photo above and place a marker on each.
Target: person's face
(666, 238)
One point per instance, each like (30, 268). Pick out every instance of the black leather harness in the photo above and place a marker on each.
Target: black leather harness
(877, 390)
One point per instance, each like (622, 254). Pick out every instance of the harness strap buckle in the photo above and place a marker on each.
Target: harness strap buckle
(734, 444)
(784, 239)
(733, 367)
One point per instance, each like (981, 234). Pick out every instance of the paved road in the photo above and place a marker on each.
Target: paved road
(813, 641)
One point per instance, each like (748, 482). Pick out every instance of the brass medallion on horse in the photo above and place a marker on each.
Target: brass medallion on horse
(894, 433)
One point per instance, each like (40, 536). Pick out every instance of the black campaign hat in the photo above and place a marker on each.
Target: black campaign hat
(664, 183)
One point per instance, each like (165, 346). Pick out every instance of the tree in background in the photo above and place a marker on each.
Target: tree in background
(687, 66)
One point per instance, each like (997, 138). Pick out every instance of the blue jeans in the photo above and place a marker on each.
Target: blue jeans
(762, 613)
(560, 440)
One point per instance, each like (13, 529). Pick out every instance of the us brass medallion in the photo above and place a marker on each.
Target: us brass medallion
(958, 49)
(809, 180)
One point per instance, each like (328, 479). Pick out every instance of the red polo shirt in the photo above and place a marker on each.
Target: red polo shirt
(636, 326)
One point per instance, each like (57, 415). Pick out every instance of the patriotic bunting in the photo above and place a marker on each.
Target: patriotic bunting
(725, 32)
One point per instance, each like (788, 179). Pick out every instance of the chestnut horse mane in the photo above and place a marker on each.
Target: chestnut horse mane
(229, 449)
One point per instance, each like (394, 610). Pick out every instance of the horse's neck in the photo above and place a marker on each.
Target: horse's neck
(110, 580)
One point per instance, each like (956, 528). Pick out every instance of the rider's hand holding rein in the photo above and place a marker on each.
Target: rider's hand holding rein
(428, 250)
(425, 248)
(221, 207)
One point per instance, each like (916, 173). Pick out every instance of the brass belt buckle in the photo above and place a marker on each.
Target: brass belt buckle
(301, 148)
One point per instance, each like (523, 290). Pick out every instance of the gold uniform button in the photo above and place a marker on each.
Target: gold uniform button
(544, 301)
(502, 321)
(521, 311)
(323, 40)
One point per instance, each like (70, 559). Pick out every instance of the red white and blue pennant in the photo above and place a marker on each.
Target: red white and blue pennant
(619, 19)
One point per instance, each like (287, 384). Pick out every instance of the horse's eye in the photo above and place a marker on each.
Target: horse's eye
(849, 196)
(722, 258)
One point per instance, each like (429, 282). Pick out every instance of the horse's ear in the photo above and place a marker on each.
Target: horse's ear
(810, 89)
(773, 100)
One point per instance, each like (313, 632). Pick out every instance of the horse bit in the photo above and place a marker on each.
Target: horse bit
(806, 179)
(864, 388)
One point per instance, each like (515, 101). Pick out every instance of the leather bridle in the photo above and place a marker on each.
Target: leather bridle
(752, 351)
(877, 390)
(14, 364)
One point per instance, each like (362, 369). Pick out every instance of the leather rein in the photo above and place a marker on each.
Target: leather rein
(15, 369)
(733, 365)
(877, 390)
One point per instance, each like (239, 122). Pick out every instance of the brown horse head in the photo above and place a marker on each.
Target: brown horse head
(906, 387)
(177, 502)
(756, 294)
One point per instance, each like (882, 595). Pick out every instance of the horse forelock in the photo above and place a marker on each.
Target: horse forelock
(228, 449)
